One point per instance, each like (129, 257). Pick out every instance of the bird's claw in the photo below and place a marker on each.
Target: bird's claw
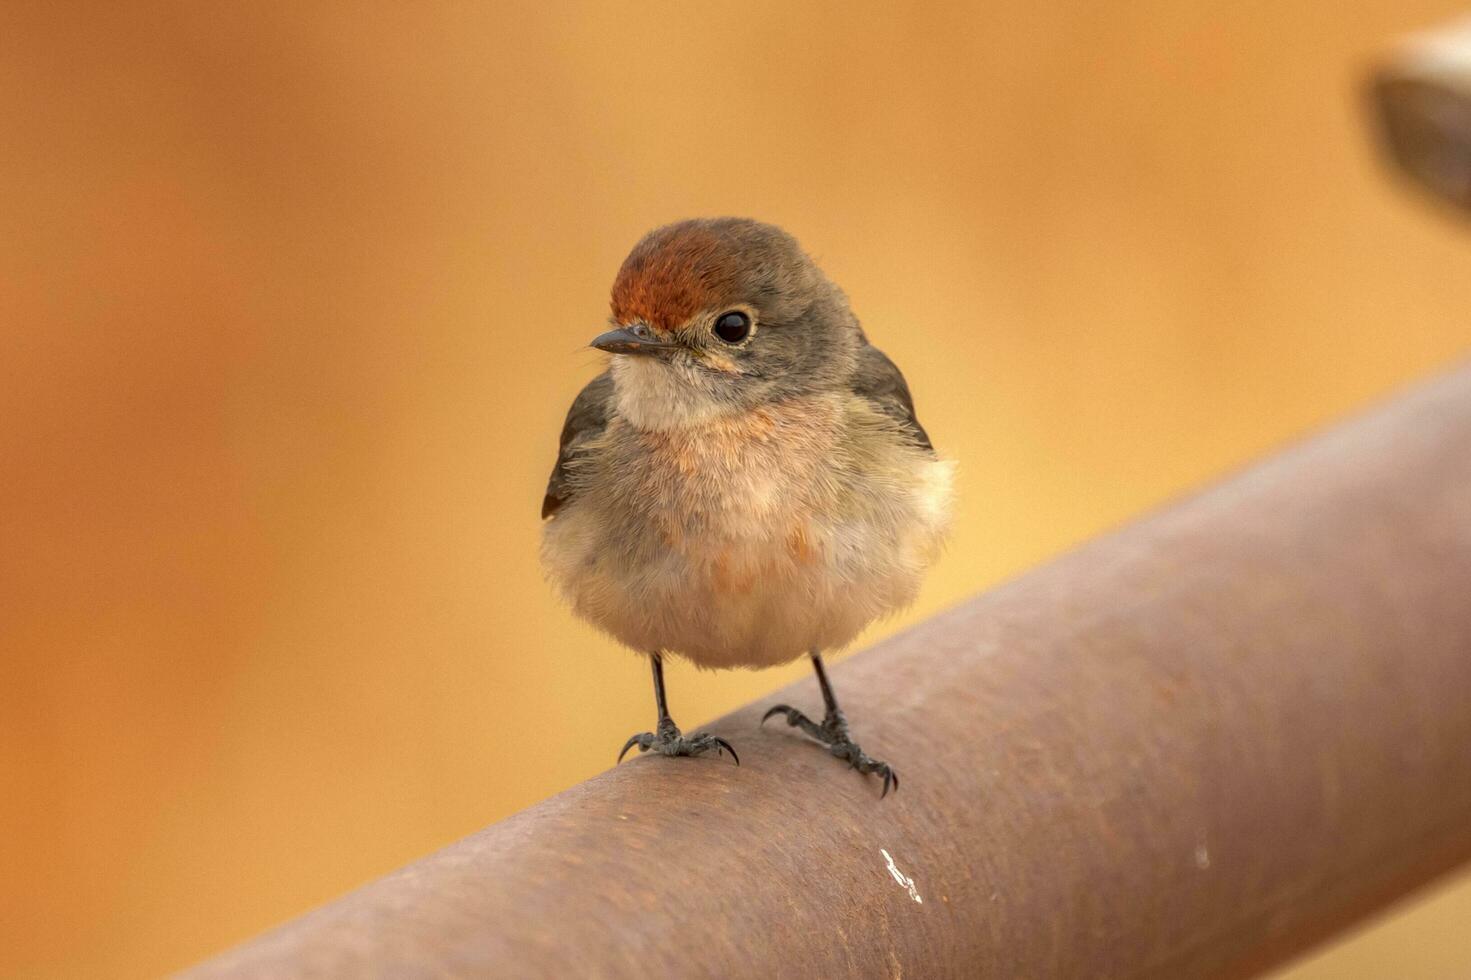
(833, 732)
(797, 719)
(860, 760)
(668, 741)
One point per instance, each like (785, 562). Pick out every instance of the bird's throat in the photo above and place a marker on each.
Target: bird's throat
(662, 396)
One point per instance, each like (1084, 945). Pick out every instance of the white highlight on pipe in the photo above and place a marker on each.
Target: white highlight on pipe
(905, 882)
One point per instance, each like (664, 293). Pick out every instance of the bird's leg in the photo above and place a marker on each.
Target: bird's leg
(833, 732)
(666, 738)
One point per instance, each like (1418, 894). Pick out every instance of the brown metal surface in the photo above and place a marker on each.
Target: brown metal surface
(1422, 100)
(1187, 749)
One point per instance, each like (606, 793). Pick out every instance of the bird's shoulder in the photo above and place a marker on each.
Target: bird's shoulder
(586, 419)
(879, 381)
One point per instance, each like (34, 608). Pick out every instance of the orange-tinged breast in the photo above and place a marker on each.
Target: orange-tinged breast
(799, 545)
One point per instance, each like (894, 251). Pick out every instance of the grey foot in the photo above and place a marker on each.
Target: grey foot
(833, 732)
(668, 741)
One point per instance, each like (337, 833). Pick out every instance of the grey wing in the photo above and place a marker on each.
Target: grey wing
(587, 417)
(879, 380)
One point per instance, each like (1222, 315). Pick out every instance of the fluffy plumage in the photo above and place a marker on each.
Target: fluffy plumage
(741, 504)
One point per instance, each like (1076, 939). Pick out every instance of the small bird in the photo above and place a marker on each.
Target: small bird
(747, 483)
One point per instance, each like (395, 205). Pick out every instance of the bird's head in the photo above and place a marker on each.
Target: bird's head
(719, 315)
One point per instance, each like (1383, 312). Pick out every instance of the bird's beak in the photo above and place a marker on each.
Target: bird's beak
(637, 339)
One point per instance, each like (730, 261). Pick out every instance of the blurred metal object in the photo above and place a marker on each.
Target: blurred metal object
(1191, 748)
(1422, 99)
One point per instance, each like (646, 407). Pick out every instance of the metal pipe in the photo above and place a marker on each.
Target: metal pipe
(1190, 748)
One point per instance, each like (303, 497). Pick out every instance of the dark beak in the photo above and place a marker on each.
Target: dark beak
(637, 339)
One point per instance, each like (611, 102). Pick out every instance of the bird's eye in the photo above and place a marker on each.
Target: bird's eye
(733, 327)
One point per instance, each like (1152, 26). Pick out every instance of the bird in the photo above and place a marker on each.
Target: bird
(747, 482)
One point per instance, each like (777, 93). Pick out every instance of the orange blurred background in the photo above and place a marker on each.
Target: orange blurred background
(293, 299)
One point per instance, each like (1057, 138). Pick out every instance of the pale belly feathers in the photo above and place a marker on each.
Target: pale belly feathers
(749, 541)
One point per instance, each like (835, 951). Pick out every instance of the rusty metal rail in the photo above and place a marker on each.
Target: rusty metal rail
(1191, 748)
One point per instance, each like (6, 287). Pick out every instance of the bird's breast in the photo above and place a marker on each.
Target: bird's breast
(749, 480)
(750, 540)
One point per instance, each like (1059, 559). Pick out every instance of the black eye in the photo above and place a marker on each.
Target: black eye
(733, 327)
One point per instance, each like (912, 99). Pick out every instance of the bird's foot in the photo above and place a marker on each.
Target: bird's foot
(833, 732)
(669, 741)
